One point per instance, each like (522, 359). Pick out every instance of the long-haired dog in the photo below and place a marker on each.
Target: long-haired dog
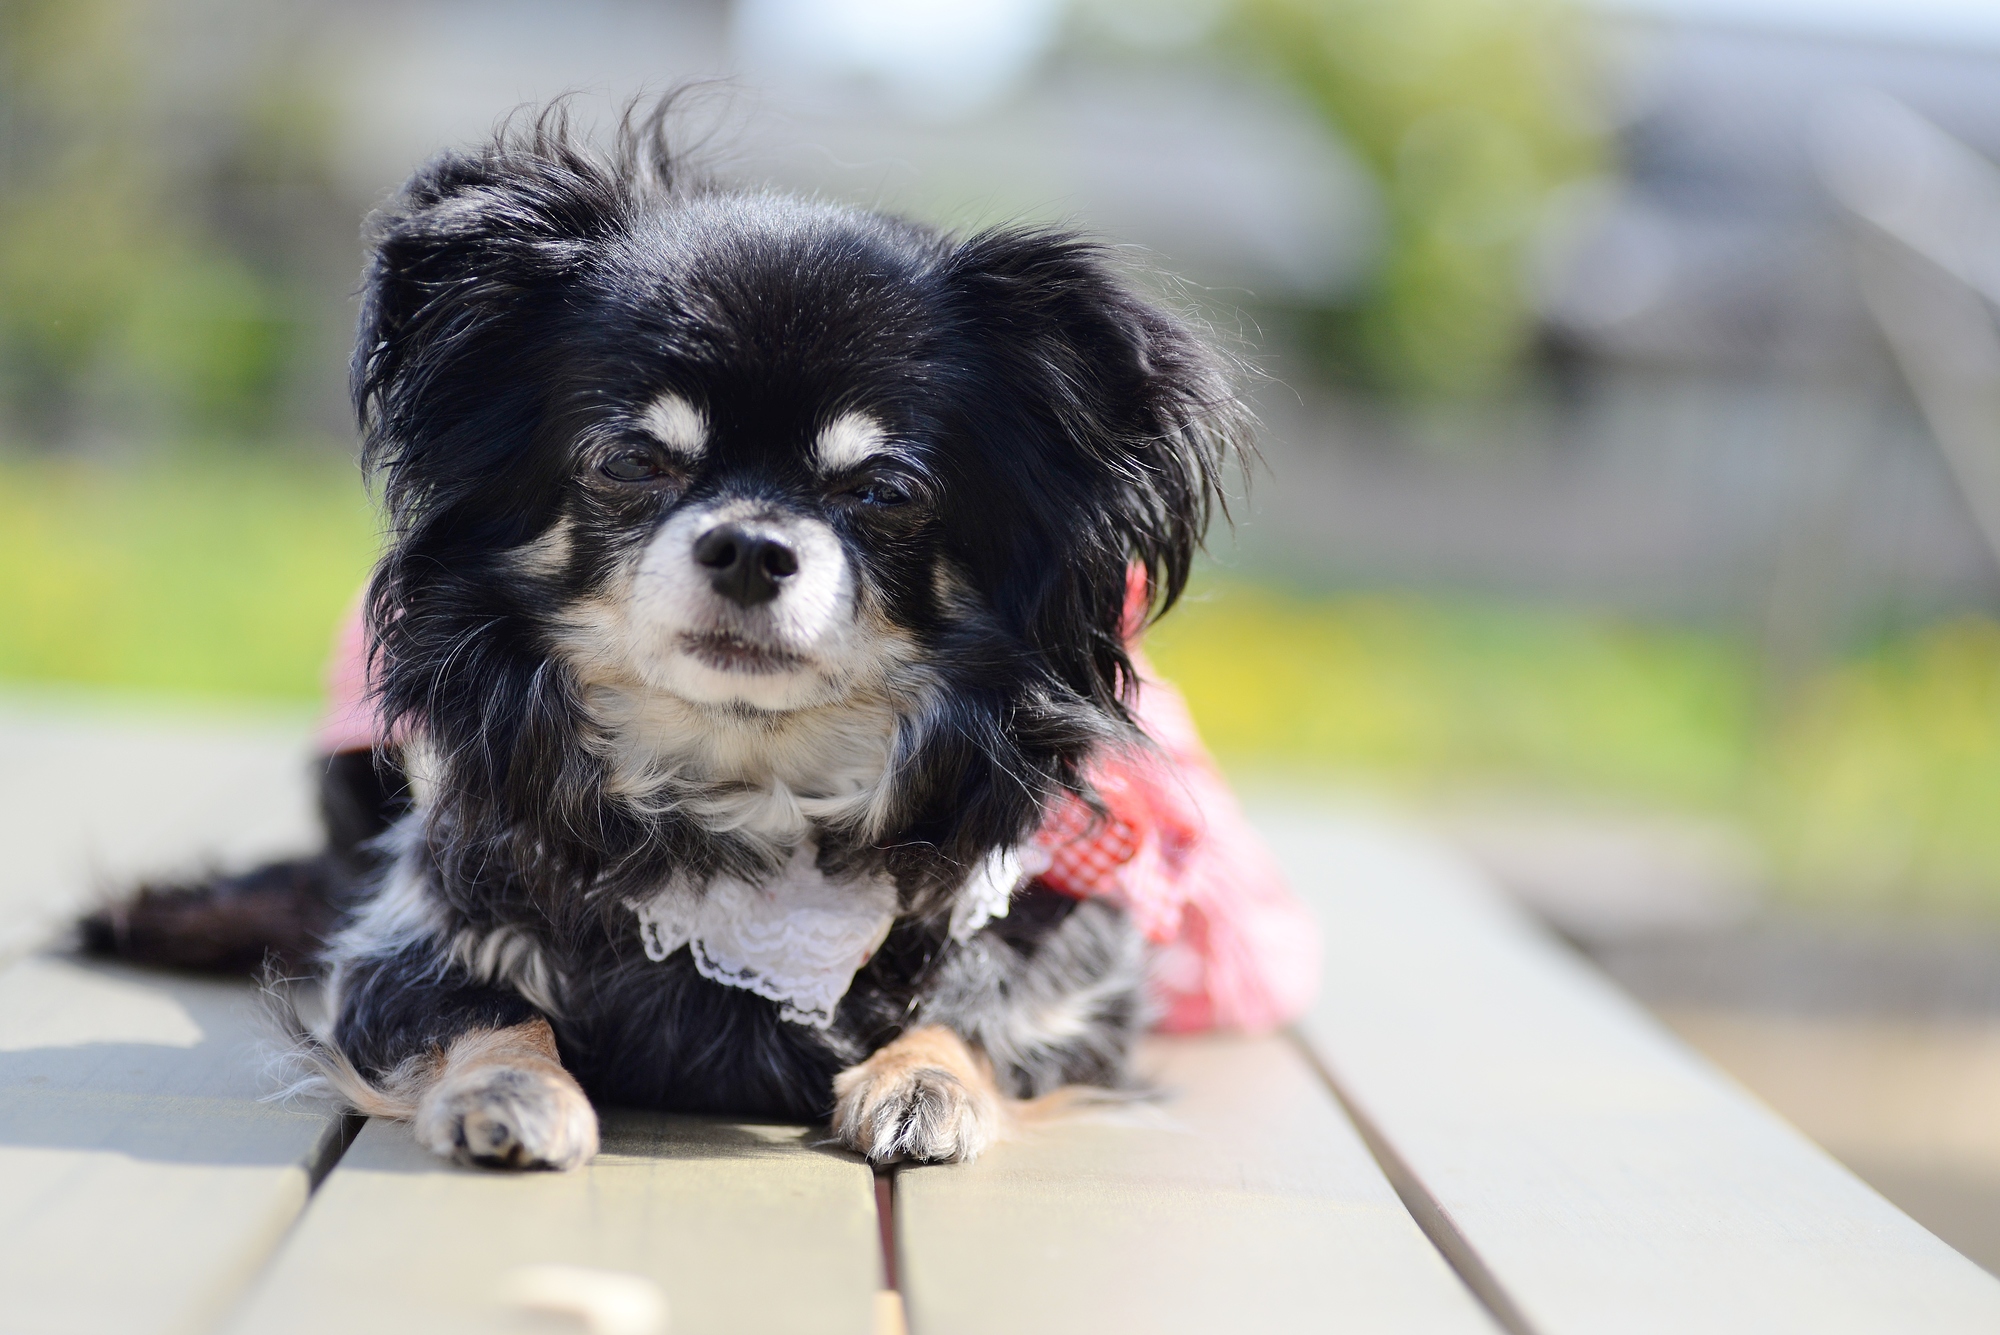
(757, 579)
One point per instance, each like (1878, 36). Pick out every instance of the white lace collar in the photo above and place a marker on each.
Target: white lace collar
(799, 938)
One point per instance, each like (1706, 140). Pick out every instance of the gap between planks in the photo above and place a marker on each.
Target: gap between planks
(343, 1129)
(340, 1134)
(889, 1316)
(1430, 1215)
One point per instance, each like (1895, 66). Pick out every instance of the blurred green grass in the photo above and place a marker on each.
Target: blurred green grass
(1424, 692)
(210, 573)
(1883, 783)
(222, 575)
(1877, 786)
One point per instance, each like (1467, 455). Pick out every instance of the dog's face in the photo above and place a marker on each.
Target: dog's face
(732, 563)
(761, 456)
(753, 508)
(739, 585)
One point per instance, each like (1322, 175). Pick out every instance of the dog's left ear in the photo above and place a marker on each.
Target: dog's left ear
(1117, 420)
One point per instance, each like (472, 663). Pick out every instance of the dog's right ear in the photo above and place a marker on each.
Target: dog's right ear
(467, 261)
(466, 307)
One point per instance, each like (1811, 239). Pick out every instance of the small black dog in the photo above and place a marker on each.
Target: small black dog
(757, 579)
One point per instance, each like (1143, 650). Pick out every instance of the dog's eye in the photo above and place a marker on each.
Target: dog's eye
(881, 492)
(634, 465)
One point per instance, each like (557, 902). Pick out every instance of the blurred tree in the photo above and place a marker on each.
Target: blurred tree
(126, 303)
(1469, 113)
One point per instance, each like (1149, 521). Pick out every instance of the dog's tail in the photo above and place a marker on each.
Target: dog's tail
(306, 1066)
(227, 924)
(281, 912)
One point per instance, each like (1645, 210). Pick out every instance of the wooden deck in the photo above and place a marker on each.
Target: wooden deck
(1473, 1133)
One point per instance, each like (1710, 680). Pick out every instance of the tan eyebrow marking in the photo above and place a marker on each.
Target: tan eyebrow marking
(849, 439)
(676, 424)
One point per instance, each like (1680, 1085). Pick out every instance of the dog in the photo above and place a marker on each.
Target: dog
(757, 583)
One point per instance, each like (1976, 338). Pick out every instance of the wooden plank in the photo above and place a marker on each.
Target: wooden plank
(1254, 1206)
(737, 1227)
(1584, 1169)
(141, 1181)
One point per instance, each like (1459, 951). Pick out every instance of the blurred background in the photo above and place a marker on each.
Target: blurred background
(1630, 383)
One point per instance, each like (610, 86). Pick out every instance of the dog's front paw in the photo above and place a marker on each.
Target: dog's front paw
(509, 1117)
(926, 1096)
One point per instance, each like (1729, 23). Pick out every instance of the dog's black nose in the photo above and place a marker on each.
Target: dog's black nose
(745, 567)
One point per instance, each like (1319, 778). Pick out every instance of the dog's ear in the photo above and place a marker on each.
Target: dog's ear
(1115, 420)
(465, 310)
(465, 262)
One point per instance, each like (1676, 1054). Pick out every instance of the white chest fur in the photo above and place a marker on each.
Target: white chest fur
(799, 938)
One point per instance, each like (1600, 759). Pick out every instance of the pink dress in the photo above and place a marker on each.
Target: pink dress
(1233, 948)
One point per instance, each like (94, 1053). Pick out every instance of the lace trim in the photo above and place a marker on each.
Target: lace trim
(991, 887)
(797, 940)
(800, 939)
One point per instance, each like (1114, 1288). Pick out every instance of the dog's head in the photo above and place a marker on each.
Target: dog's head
(760, 457)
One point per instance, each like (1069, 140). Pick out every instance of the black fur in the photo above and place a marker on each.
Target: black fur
(1050, 428)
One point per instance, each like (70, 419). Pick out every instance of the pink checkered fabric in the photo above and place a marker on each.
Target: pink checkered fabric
(1233, 949)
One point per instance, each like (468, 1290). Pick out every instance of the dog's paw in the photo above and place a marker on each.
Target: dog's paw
(509, 1117)
(923, 1097)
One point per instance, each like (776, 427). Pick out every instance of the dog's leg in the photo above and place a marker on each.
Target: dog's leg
(1053, 994)
(501, 1098)
(434, 1024)
(476, 1071)
(928, 1096)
